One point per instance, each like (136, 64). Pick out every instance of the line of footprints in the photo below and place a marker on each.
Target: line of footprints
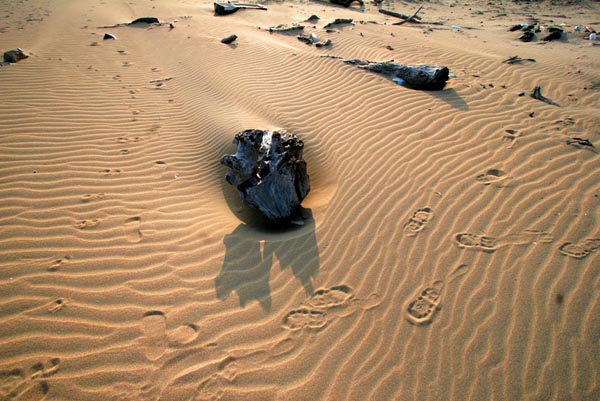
(30, 384)
(421, 217)
(326, 305)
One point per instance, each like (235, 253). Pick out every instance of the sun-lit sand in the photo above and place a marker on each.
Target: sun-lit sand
(451, 242)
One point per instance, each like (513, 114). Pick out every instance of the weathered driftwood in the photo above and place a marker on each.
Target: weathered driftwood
(230, 8)
(269, 172)
(397, 15)
(517, 60)
(406, 18)
(537, 94)
(287, 28)
(339, 21)
(346, 3)
(425, 77)
(14, 56)
(580, 142)
(229, 39)
(555, 34)
(145, 20)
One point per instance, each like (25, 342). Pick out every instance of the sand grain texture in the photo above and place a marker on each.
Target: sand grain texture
(450, 246)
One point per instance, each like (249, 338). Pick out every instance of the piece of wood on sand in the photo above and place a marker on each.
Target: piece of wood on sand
(405, 18)
(423, 77)
(537, 94)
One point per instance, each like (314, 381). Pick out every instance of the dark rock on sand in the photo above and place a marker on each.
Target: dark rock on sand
(269, 172)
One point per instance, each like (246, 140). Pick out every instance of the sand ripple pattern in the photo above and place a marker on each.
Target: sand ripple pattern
(450, 245)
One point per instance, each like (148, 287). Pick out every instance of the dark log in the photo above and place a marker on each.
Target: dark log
(14, 56)
(425, 77)
(580, 141)
(398, 15)
(339, 21)
(229, 39)
(145, 20)
(283, 28)
(527, 36)
(517, 60)
(230, 8)
(269, 172)
(555, 34)
(346, 3)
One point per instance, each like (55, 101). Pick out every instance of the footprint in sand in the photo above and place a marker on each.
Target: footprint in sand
(58, 263)
(183, 334)
(156, 338)
(491, 244)
(17, 384)
(510, 138)
(86, 224)
(331, 297)
(581, 249)
(123, 139)
(418, 221)
(423, 306)
(131, 229)
(154, 328)
(92, 197)
(485, 244)
(491, 176)
(326, 305)
(304, 318)
(421, 309)
(110, 172)
(57, 305)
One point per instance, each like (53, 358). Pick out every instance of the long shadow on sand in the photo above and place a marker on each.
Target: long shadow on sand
(451, 97)
(249, 255)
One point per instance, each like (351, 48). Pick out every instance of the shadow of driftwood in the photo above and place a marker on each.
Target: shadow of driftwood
(249, 256)
(451, 97)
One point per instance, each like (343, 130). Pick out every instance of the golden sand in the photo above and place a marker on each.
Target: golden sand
(450, 250)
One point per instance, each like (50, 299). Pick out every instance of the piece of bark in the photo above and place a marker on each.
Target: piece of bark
(14, 56)
(346, 3)
(286, 28)
(339, 21)
(423, 77)
(537, 94)
(555, 34)
(527, 36)
(580, 142)
(230, 8)
(517, 60)
(229, 39)
(398, 15)
(269, 172)
(145, 20)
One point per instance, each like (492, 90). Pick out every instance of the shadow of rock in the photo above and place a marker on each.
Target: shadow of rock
(249, 256)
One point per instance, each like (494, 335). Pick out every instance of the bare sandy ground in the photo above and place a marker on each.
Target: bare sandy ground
(450, 247)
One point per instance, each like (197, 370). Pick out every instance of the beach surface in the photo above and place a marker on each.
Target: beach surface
(451, 240)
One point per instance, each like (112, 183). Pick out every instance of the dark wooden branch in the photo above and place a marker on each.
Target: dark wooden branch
(397, 15)
(410, 18)
(537, 94)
